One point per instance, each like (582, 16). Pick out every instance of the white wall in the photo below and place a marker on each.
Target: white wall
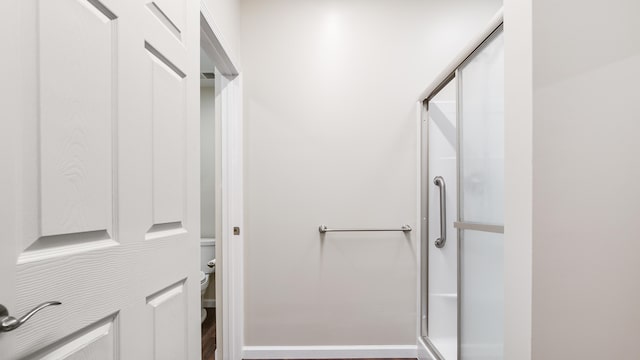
(586, 180)
(518, 235)
(330, 116)
(582, 126)
(207, 183)
(207, 162)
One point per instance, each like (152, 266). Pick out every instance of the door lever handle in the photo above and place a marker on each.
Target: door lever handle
(8, 323)
(439, 182)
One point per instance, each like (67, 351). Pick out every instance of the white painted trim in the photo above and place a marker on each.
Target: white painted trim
(235, 281)
(207, 242)
(229, 247)
(329, 352)
(213, 42)
(230, 266)
(209, 303)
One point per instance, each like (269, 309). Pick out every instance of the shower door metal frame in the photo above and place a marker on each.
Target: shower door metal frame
(495, 27)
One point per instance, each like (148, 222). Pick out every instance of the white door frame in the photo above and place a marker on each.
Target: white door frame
(229, 266)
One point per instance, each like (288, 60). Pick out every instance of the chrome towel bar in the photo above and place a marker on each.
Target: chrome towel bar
(324, 229)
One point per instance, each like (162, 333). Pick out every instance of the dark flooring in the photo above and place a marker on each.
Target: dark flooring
(209, 338)
(209, 335)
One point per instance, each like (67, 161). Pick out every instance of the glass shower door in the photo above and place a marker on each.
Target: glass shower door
(481, 164)
(462, 288)
(440, 297)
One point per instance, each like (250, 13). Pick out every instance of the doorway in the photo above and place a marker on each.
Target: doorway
(210, 207)
(221, 193)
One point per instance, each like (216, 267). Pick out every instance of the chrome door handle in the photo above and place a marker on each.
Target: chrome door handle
(439, 182)
(8, 323)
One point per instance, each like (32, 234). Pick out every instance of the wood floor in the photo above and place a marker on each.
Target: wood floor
(209, 335)
(209, 338)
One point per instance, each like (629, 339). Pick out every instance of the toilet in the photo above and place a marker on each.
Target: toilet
(204, 282)
(207, 272)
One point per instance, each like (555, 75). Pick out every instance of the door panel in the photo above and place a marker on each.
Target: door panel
(102, 212)
(169, 315)
(95, 342)
(168, 103)
(77, 78)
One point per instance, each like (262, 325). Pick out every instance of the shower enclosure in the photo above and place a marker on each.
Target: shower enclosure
(463, 207)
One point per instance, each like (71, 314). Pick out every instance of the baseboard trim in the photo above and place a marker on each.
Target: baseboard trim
(329, 352)
(209, 303)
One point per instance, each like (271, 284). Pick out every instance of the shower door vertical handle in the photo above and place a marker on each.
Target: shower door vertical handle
(439, 182)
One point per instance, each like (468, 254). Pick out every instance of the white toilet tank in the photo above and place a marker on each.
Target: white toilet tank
(207, 252)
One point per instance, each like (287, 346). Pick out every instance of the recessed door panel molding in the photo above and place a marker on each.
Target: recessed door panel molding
(168, 117)
(75, 127)
(169, 308)
(170, 13)
(65, 245)
(165, 19)
(98, 341)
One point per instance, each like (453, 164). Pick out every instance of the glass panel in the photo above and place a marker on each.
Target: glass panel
(442, 298)
(482, 295)
(482, 201)
(482, 135)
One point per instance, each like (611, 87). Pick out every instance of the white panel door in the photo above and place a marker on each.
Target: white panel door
(100, 179)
